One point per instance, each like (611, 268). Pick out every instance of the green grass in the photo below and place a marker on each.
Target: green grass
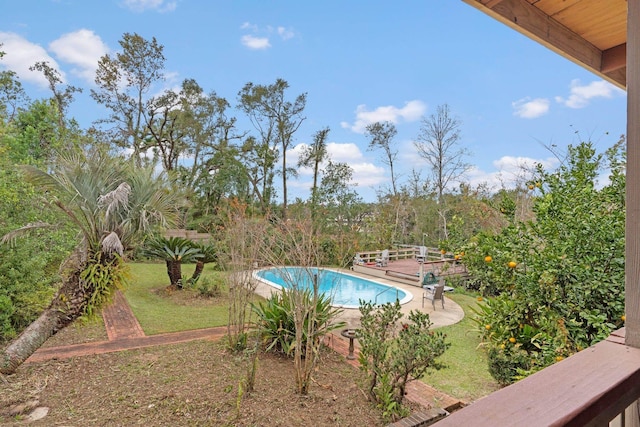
(467, 375)
(158, 314)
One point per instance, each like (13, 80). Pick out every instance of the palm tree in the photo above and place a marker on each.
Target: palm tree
(174, 251)
(112, 204)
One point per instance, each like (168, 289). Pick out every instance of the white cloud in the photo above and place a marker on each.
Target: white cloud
(157, 5)
(509, 171)
(22, 54)
(285, 33)
(260, 39)
(248, 26)
(83, 49)
(365, 173)
(580, 95)
(255, 43)
(411, 112)
(528, 108)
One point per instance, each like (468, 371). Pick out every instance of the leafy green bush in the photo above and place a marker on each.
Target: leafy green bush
(506, 365)
(393, 354)
(29, 265)
(209, 287)
(556, 284)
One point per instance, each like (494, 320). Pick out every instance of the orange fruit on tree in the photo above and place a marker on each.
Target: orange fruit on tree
(512, 340)
(488, 258)
(531, 187)
(442, 251)
(623, 317)
(487, 327)
(479, 298)
(512, 264)
(559, 358)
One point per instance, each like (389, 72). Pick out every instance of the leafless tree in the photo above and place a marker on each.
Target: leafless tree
(438, 143)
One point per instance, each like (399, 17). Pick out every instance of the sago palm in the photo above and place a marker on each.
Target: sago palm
(112, 204)
(174, 251)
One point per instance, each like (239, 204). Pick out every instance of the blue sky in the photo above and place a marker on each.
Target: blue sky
(358, 61)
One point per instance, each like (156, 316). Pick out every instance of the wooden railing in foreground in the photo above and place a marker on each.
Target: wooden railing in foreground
(590, 388)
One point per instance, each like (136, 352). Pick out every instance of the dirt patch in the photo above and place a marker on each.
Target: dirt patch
(195, 383)
(189, 297)
(79, 332)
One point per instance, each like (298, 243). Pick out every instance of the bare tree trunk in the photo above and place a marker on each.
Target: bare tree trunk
(198, 271)
(69, 304)
(31, 339)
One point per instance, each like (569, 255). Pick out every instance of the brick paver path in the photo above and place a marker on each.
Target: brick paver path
(124, 333)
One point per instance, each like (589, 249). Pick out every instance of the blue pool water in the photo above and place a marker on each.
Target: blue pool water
(346, 290)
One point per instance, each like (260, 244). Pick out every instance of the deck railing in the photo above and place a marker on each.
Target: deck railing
(598, 386)
(433, 254)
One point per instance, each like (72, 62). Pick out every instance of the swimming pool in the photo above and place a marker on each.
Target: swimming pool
(346, 290)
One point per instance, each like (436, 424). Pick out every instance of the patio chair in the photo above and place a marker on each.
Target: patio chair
(429, 279)
(384, 259)
(436, 294)
(422, 255)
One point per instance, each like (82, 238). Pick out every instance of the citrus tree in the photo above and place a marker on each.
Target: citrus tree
(555, 285)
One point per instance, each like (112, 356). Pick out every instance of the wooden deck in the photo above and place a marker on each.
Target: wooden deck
(408, 271)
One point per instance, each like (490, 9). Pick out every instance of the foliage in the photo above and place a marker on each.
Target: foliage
(123, 82)
(174, 251)
(28, 268)
(382, 135)
(209, 287)
(276, 120)
(558, 281)
(277, 325)
(111, 205)
(101, 279)
(392, 354)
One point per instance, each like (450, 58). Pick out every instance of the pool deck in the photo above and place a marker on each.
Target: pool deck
(451, 314)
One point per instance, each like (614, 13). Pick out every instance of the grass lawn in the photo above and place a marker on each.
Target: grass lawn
(159, 312)
(467, 375)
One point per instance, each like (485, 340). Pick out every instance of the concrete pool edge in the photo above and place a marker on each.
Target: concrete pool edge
(452, 313)
(408, 294)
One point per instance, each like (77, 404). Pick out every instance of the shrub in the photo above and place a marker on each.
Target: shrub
(393, 355)
(276, 319)
(557, 284)
(507, 365)
(209, 287)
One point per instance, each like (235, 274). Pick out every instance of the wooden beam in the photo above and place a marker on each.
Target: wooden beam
(491, 3)
(632, 232)
(587, 389)
(537, 25)
(614, 58)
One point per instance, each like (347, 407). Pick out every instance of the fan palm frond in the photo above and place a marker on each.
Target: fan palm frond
(25, 229)
(111, 243)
